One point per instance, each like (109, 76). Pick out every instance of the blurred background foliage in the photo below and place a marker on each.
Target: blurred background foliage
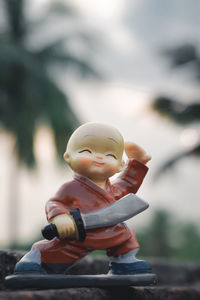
(176, 110)
(29, 91)
(166, 237)
(30, 94)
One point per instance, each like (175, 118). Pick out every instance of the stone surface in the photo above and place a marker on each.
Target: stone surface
(174, 273)
(69, 294)
(8, 259)
(143, 293)
(169, 273)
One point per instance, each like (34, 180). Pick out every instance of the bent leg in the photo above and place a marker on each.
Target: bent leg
(125, 247)
(52, 257)
(61, 251)
(123, 259)
(59, 254)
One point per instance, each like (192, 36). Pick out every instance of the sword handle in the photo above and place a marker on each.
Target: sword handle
(50, 231)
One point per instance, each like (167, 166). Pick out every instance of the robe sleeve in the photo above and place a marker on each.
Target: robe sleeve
(57, 205)
(130, 179)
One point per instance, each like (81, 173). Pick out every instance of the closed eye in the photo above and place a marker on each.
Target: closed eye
(112, 155)
(85, 150)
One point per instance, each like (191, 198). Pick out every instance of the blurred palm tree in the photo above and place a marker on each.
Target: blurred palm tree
(155, 238)
(165, 236)
(29, 92)
(176, 111)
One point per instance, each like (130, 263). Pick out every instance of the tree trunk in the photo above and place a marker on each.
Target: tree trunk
(14, 205)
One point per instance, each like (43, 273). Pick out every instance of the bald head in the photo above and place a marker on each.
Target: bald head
(92, 132)
(95, 151)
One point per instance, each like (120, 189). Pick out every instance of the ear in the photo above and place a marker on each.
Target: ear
(67, 157)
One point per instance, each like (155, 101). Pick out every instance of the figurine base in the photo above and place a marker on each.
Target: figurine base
(36, 281)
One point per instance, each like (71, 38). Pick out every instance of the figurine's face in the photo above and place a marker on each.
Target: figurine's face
(96, 156)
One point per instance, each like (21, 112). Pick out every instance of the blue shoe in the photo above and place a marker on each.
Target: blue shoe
(25, 267)
(138, 267)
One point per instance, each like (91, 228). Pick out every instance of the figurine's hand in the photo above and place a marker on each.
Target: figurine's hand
(133, 151)
(65, 225)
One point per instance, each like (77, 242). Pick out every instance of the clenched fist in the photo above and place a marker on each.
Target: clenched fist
(133, 151)
(65, 225)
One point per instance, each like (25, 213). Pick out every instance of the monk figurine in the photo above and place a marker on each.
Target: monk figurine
(94, 152)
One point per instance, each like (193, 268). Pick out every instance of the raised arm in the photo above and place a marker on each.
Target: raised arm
(134, 172)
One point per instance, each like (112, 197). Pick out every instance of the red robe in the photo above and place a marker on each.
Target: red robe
(84, 194)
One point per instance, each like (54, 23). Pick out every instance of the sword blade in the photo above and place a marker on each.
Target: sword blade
(120, 211)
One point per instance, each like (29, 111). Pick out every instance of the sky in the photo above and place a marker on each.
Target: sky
(132, 35)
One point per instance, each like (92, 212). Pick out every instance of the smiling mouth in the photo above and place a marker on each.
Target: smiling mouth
(98, 163)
